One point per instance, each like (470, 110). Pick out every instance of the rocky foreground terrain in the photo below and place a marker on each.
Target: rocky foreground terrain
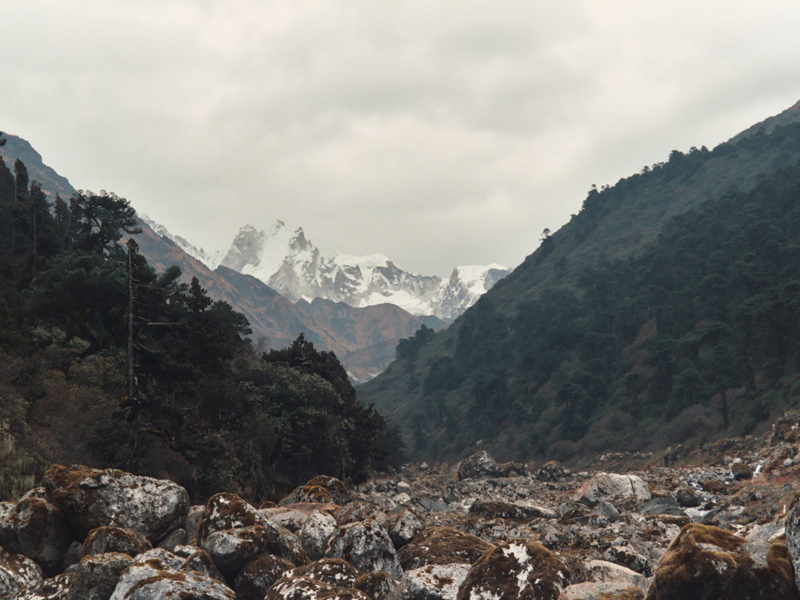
(717, 521)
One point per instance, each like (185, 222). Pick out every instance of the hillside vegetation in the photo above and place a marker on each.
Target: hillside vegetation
(665, 311)
(197, 402)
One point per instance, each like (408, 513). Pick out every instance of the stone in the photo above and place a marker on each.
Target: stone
(157, 574)
(367, 546)
(511, 469)
(227, 511)
(741, 470)
(607, 487)
(687, 497)
(306, 588)
(607, 511)
(378, 585)
(612, 590)
(518, 569)
(315, 532)
(114, 539)
(627, 557)
(405, 526)
(432, 582)
(442, 546)
(232, 548)
(552, 471)
(176, 537)
(55, 588)
(200, 562)
(294, 516)
(330, 490)
(39, 530)
(358, 510)
(333, 571)
(517, 511)
(479, 465)
(18, 573)
(91, 498)
(258, 575)
(193, 519)
(97, 576)
(601, 571)
(661, 506)
(706, 562)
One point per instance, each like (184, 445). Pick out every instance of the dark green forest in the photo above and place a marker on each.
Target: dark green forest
(198, 403)
(693, 337)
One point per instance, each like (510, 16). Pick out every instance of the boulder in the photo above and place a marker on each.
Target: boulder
(232, 548)
(294, 516)
(378, 585)
(90, 498)
(792, 529)
(39, 530)
(365, 545)
(176, 537)
(258, 575)
(114, 539)
(315, 532)
(18, 573)
(405, 526)
(337, 492)
(707, 562)
(687, 497)
(55, 588)
(607, 487)
(442, 546)
(601, 591)
(606, 510)
(511, 469)
(333, 571)
(552, 471)
(432, 582)
(193, 519)
(479, 465)
(518, 569)
(627, 556)
(741, 470)
(305, 588)
(661, 506)
(358, 510)
(97, 576)
(200, 562)
(227, 511)
(516, 511)
(157, 573)
(601, 571)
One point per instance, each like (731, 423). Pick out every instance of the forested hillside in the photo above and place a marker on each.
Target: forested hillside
(197, 403)
(665, 311)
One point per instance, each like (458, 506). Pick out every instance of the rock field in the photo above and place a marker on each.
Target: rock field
(717, 521)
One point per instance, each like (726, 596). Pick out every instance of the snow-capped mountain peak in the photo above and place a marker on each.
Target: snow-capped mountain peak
(289, 263)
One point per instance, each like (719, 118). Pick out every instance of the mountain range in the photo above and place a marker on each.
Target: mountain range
(288, 262)
(357, 307)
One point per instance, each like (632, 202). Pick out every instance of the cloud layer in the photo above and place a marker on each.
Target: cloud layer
(437, 133)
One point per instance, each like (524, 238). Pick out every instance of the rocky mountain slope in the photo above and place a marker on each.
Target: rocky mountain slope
(712, 521)
(612, 333)
(289, 263)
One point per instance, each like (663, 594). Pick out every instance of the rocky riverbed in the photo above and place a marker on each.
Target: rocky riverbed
(716, 521)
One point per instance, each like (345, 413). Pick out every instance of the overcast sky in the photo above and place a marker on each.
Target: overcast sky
(438, 133)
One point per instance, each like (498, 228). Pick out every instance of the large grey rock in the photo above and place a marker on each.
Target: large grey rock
(607, 487)
(232, 548)
(662, 506)
(442, 546)
(39, 530)
(378, 585)
(90, 498)
(227, 511)
(612, 590)
(315, 532)
(114, 539)
(365, 545)
(55, 588)
(258, 575)
(519, 569)
(477, 466)
(97, 576)
(333, 571)
(432, 582)
(18, 573)
(306, 588)
(157, 574)
(405, 526)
